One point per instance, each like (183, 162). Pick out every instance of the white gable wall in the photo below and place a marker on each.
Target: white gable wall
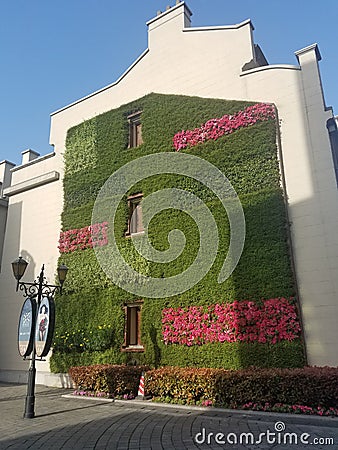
(32, 231)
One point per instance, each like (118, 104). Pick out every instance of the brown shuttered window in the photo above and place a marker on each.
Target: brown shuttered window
(135, 130)
(135, 224)
(132, 333)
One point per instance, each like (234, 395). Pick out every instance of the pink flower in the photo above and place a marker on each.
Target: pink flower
(216, 128)
(243, 321)
(82, 238)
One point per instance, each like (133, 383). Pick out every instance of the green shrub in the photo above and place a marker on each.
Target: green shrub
(112, 379)
(186, 385)
(310, 386)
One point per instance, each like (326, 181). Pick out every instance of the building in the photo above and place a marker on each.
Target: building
(233, 68)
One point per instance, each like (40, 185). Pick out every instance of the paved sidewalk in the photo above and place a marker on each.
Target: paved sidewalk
(75, 423)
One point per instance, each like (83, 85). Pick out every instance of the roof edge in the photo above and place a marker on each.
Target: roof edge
(222, 27)
(102, 89)
(270, 67)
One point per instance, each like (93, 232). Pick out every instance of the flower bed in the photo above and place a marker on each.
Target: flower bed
(274, 321)
(81, 238)
(104, 395)
(216, 128)
(291, 409)
(81, 393)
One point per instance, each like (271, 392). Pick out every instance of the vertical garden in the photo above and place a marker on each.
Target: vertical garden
(251, 319)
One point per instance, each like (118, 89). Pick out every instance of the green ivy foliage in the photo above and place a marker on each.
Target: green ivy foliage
(248, 157)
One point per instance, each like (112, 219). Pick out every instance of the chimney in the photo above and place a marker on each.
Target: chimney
(308, 59)
(28, 155)
(5, 175)
(173, 18)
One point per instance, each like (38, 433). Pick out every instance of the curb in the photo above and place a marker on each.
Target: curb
(301, 419)
(86, 397)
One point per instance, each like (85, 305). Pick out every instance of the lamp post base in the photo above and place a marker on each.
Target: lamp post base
(29, 408)
(30, 397)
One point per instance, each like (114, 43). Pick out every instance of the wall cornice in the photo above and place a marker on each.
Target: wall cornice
(32, 183)
(270, 67)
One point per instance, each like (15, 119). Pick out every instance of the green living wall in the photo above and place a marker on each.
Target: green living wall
(90, 315)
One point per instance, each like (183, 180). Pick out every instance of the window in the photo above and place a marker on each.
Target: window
(135, 130)
(132, 330)
(135, 224)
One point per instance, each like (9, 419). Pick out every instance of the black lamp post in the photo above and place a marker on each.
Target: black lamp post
(35, 291)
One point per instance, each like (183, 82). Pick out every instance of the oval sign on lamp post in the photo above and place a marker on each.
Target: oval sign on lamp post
(44, 329)
(26, 327)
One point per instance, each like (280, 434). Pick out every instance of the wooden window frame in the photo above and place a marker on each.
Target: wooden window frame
(129, 314)
(132, 201)
(135, 130)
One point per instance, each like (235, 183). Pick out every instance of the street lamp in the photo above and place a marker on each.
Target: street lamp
(39, 313)
(19, 267)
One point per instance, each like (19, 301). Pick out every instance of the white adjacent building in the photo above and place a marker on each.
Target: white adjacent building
(214, 62)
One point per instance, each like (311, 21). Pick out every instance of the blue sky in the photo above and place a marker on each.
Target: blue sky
(53, 53)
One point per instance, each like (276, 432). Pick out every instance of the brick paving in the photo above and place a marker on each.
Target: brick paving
(74, 423)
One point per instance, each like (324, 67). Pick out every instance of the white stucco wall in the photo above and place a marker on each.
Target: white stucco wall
(32, 231)
(207, 62)
(3, 216)
(5, 181)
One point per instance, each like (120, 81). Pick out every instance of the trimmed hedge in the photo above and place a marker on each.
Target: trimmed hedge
(112, 379)
(310, 386)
